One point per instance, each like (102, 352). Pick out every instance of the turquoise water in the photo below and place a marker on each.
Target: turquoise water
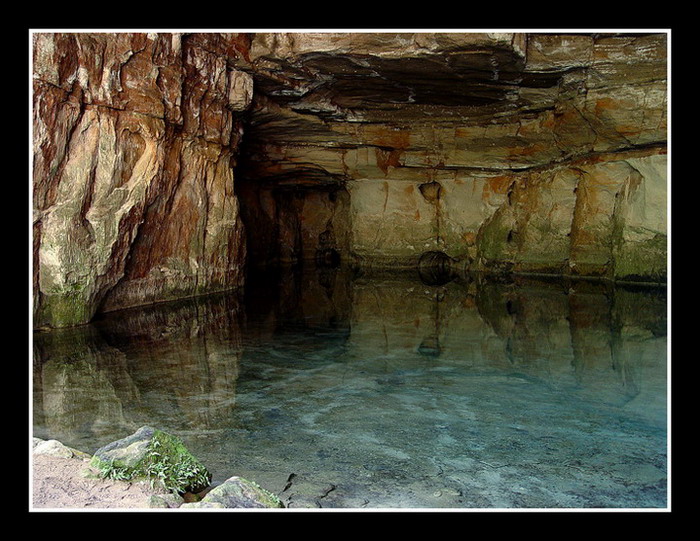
(338, 390)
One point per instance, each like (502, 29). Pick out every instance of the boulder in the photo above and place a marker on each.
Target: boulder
(155, 455)
(202, 505)
(237, 492)
(56, 448)
(165, 501)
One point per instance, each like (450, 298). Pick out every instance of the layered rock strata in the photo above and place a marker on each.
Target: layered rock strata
(134, 139)
(504, 152)
(538, 153)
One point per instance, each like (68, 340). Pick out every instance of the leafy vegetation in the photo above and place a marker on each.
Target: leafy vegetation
(166, 463)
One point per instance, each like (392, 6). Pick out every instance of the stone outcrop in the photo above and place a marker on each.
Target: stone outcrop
(507, 152)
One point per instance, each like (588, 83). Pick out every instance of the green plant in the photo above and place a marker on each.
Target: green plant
(117, 473)
(166, 463)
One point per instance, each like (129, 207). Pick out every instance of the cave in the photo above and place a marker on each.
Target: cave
(468, 230)
(165, 165)
(437, 143)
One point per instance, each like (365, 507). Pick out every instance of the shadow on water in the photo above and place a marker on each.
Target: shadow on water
(339, 388)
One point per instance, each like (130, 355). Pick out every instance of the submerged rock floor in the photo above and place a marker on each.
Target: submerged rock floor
(386, 394)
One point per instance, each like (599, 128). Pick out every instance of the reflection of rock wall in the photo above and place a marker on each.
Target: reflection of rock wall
(299, 296)
(172, 365)
(184, 358)
(81, 384)
(177, 365)
(583, 337)
(133, 140)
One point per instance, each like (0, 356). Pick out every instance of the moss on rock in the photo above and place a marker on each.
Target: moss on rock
(643, 261)
(237, 492)
(154, 455)
(64, 310)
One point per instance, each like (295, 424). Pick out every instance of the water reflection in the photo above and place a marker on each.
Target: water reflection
(173, 365)
(390, 390)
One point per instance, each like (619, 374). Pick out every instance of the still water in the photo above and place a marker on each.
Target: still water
(342, 390)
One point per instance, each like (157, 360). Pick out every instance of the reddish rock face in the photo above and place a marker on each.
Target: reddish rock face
(507, 152)
(134, 139)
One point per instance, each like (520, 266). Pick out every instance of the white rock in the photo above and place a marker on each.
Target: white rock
(53, 448)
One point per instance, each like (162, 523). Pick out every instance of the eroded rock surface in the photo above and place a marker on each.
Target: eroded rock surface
(134, 138)
(507, 152)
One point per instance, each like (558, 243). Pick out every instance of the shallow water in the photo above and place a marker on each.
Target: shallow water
(382, 391)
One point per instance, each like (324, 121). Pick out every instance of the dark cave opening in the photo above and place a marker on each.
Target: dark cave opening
(293, 222)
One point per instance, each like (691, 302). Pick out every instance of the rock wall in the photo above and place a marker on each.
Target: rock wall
(134, 140)
(536, 153)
